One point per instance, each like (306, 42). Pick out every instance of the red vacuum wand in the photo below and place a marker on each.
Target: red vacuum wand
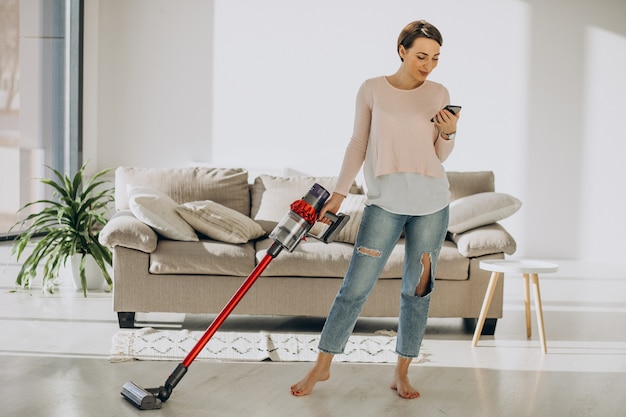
(287, 234)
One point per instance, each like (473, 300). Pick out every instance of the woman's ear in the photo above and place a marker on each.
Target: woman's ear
(401, 52)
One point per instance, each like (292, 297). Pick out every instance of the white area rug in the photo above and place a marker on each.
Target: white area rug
(174, 345)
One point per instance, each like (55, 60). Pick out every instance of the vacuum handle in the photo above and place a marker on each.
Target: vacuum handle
(337, 223)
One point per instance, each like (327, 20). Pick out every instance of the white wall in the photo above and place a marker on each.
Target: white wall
(148, 81)
(271, 85)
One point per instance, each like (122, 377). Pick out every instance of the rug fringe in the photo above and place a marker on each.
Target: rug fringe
(121, 347)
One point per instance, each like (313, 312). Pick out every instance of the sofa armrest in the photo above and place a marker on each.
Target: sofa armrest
(124, 229)
(484, 240)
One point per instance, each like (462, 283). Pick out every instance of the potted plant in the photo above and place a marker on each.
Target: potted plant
(67, 227)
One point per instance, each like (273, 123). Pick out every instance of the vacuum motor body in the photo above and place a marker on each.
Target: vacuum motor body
(294, 226)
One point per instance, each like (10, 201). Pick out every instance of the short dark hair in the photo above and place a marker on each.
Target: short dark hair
(418, 29)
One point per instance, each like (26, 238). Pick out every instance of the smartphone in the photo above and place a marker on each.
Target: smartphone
(451, 108)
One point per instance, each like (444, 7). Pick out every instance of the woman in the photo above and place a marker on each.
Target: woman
(401, 152)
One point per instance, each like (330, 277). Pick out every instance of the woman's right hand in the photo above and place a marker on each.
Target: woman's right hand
(332, 204)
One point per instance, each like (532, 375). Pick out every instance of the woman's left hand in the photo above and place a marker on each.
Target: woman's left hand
(446, 121)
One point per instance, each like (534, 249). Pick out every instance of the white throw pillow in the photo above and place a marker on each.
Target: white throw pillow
(124, 229)
(484, 240)
(219, 222)
(158, 211)
(480, 209)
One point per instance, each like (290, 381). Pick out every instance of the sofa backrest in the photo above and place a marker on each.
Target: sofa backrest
(226, 186)
(230, 187)
(463, 184)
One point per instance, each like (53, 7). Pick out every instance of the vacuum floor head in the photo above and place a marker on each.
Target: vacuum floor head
(139, 397)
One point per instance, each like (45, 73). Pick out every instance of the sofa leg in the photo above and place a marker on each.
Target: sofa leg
(126, 319)
(489, 328)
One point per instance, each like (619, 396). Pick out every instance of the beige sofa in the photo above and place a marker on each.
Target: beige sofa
(157, 274)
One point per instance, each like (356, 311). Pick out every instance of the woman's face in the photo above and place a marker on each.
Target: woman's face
(421, 58)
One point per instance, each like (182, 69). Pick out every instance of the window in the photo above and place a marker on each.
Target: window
(40, 55)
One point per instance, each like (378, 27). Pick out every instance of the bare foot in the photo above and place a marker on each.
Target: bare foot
(319, 372)
(404, 388)
(306, 384)
(401, 379)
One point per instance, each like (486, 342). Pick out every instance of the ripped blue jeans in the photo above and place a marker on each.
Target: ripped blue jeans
(378, 234)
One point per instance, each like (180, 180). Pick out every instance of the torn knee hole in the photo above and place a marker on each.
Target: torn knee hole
(423, 288)
(369, 252)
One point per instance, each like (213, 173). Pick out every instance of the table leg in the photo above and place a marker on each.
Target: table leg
(538, 307)
(485, 308)
(527, 304)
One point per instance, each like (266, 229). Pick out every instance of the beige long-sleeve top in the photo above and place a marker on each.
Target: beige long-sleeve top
(393, 127)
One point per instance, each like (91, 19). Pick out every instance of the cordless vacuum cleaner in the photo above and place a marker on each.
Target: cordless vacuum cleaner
(294, 227)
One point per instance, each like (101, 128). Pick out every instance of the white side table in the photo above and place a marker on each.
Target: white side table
(527, 269)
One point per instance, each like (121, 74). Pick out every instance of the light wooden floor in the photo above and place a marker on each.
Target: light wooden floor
(54, 360)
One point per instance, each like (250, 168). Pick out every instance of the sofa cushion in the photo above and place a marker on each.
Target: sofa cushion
(158, 211)
(226, 186)
(206, 257)
(311, 258)
(485, 240)
(124, 229)
(480, 209)
(219, 222)
(316, 259)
